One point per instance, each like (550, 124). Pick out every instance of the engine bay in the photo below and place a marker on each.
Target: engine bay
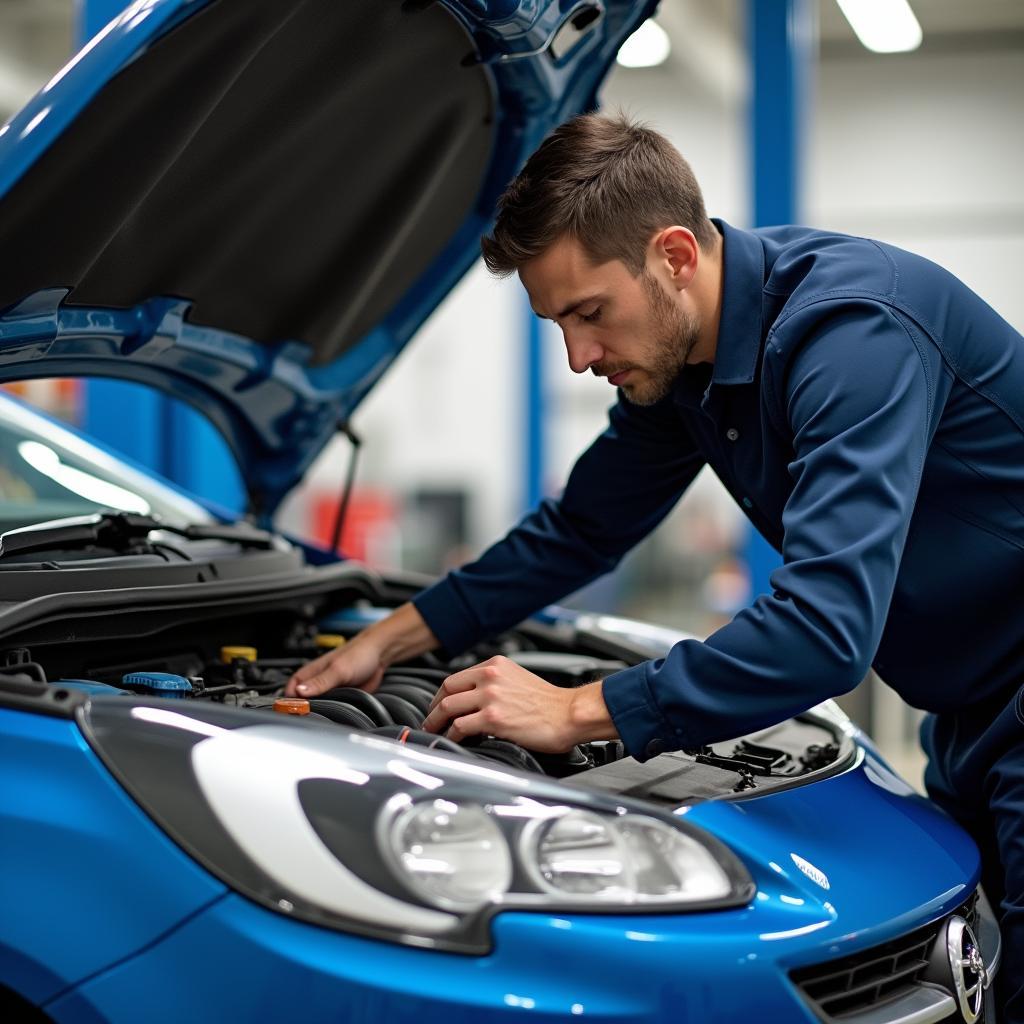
(246, 662)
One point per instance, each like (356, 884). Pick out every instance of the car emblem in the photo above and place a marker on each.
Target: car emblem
(815, 874)
(970, 976)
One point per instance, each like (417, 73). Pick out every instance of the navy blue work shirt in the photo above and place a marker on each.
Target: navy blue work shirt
(866, 411)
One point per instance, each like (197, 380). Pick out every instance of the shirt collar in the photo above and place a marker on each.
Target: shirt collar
(739, 330)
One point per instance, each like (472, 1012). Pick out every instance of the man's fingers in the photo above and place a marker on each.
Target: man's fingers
(467, 679)
(458, 683)
(308, 671)
(468, 725)
(319, 676)
(313, 687)
(451, 707)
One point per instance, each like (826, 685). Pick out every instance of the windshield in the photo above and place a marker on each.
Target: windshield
(49, 472)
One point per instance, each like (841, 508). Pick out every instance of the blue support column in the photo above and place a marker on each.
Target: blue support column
(196, 456)
(533, 410)
(157, 431)
(782, 44)
(781, 40)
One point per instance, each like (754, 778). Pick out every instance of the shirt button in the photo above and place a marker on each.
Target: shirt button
(655, 747)
(733, 434)
(747, 503)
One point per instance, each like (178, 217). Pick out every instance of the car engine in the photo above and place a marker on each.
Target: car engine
(253, 678)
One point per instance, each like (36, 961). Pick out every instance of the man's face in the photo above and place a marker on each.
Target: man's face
(633, 331)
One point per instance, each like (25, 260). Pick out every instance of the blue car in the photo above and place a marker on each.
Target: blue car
(253, 205)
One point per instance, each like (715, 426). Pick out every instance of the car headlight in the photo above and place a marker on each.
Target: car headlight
(358, 833)
(452, 855)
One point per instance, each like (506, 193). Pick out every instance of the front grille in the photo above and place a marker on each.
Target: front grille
(875, 976)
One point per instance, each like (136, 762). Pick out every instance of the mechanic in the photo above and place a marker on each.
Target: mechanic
(863, 407)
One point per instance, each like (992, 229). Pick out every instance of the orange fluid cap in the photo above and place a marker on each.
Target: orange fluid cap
(228, 654)
(291, 706)
(329, 641)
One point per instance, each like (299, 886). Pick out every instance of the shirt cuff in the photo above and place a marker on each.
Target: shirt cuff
(639, 721)
(448, 618)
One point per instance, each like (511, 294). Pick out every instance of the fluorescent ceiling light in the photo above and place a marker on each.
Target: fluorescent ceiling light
(884, 26)
(647, 47)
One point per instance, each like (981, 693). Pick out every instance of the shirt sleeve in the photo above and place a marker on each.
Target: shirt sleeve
(620, 488)
(857, 401)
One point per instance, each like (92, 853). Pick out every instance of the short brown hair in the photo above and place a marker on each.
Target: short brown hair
(608, 182)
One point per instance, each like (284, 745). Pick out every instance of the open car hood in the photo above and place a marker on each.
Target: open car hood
(253, 205)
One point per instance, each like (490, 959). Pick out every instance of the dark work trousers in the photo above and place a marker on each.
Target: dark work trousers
(976, 773)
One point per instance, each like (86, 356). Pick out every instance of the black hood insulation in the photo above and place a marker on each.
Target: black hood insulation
(290, 168)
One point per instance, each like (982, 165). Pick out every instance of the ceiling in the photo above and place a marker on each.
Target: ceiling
(938, 18)
(36, 36)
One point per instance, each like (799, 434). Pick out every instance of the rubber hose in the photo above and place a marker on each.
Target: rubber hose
(400, 710)
(365, 702)
(418, 738)
(426, 685)
(417, 672)
(419, 698)
(510, 753)
(343, 714)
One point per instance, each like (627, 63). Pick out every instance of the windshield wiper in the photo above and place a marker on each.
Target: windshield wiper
(120, 531)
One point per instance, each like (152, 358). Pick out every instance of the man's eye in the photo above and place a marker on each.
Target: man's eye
(591, 317)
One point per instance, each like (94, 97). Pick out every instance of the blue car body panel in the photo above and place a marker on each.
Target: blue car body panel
(80, 861)
(639, 967)
(135, 910)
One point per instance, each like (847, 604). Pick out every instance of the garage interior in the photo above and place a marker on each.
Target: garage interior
(921, 148)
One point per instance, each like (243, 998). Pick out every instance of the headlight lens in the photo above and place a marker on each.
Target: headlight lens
(357, 833)
(631, 859)
(670, 865)
(452, 855)
(581, 854)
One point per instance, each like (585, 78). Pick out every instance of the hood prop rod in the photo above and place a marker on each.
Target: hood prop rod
(350, 479)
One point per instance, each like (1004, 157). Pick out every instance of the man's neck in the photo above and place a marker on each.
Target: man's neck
(708, 296)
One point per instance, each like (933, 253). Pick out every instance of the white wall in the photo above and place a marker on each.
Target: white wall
(926, 151)
(451, 413)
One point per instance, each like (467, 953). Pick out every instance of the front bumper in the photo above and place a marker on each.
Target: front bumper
(840, 866)
(237, 961)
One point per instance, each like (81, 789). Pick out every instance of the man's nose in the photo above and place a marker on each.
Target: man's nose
(583, 352)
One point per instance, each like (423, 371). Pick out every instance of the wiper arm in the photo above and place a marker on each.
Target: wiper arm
(119, 531)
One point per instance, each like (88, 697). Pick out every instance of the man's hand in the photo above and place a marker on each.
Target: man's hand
(362, 661)
(500, 698)
(358, 663)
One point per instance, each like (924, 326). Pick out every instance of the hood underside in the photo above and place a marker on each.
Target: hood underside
(290, 169)
(253, 204)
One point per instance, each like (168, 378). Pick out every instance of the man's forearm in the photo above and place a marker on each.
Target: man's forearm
(617, 492)
(403, 634)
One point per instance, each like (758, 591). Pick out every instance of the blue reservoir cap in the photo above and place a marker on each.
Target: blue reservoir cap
(165, 684)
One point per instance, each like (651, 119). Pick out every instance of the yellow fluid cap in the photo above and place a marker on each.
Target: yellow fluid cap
(329, 641)
(291, 706)
(228, 654)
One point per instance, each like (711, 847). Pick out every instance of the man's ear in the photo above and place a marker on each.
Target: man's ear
(676, 250)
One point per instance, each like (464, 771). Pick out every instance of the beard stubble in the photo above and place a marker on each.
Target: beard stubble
(674, 333)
